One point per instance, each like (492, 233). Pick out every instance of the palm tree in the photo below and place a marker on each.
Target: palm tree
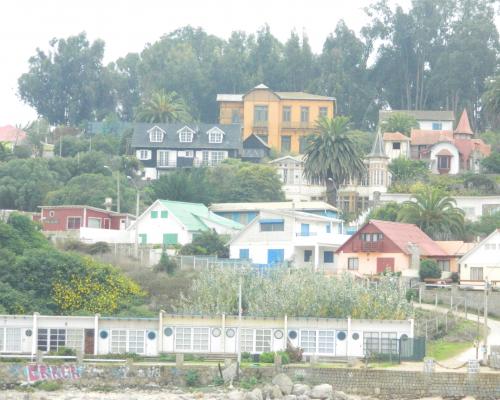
(435, 213)
(331, 156)
(399, 122)
(491, 99)
(163, 107)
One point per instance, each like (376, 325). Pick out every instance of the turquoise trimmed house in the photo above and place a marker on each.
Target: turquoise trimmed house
(168, 222)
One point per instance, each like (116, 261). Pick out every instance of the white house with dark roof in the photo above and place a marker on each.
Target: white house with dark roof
(161, 147)
(436, 120)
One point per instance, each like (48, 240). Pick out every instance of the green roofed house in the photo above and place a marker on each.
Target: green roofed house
(175, 222)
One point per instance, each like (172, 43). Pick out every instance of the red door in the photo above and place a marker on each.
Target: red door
(89, 342)
(385, 264)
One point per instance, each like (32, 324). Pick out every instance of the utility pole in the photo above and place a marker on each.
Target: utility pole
(118, 190)
(137, 201)
(485, 318)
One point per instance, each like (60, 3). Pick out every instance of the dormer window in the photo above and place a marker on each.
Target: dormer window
(185, 134)
(215, 135)
(156, 134)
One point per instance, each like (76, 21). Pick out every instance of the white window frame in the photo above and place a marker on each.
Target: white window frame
(162, 158)
(189, 338)
(59, 334)
(10, 346)
(156, 134)
(326, 341)
(76, 217)
(308, 340)
(143, 154)
(127, 341)
(186, 134)
(215, 135)
(216, 157)
(95, 219)
(118, 341)
(74, 339)
(476, 273)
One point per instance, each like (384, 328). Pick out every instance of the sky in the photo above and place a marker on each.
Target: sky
(128, 25)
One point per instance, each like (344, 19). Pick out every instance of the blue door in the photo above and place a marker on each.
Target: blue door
(275, 256)
(304, 229)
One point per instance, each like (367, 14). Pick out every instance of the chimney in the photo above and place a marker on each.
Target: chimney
(108, 203)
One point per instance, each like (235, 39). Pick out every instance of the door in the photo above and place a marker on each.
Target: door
(304, 229)
(340, 343)
(275, 256)
(385, 264)
(356, 344)
(88, 347)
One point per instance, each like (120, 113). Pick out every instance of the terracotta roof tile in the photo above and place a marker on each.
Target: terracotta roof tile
(455, 247)
(395, 136)
(12, 134)
(463, 124)
(429, 137)
(444, 152)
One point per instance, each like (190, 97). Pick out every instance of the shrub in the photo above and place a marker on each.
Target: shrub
(429, 269)
(166, 264)
(294, 353)
(411, 294)
(267, 357)
(98, 248)
(455, 277)
(249, 383)
(218, 380)
(285, 358)
(192, 378)
(48, 386)
(246, 356)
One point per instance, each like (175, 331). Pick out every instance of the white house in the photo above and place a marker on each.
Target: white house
(482, 262)
(396, 145)
(304, 239)
(173, 222)
(435, 120)
(444, 158)
(295, 186)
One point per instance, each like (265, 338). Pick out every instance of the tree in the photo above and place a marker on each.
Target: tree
(399, 122)
(484, 226)
(162, 107)
(406, 171)
(331, 156)
(429, 268)
(385, 212)
(166, 264)
(491, 100)
(208, 243)
(67, 84)
(492, 163)
(435, 213)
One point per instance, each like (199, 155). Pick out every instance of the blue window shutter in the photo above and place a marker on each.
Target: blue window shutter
(328, 256)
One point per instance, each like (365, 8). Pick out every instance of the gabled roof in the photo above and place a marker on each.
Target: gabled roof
(195, 215)
(467, 146)
(455, 248)
(11, 134)
(419, 115)
(429, 137)
(378, 147)
(88, 208)
(281, 95)
(395, 137)
(232, 136)
(464, 125)
(402, 235)
(479, 245)
(299, 159)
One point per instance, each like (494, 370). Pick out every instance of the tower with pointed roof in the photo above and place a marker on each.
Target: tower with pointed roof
(377, 164)
(463, 129)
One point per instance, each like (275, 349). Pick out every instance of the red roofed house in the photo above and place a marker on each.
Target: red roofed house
(449, 152)
(11, 136)
(382, 245)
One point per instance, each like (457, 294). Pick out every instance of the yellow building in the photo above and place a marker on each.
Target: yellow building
(281, 119)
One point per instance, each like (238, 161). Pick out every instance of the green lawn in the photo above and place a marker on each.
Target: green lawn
(442, 350)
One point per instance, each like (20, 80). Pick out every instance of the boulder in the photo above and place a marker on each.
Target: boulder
(272, 392)
(300, 388)
(340, 396)
(255, 394)
(235, 395)
(284, 383)
(324, 391)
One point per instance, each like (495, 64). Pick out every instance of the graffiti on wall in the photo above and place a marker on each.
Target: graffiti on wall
(41, 372)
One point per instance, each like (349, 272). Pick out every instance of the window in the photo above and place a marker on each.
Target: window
(272, 225)
(216, 157)
(200, 339)
(328, 257)
(444, 265)
(94, 222)
(12, 339)
(372, 237)
(389, 343)
(235, 116)
(328, 228)
(260, 114)
(308, 341)
(185, 135)
(286, 142)
(154, 214)
(57, 339)
(287, 114)
(437, 126)
(215, 135)
(74, 222)
(303, 141)
(307, 255)
(143, 238)
(444, 162)
(304, 114)
(244, 254)
(162, 158)
(396, 145)
(323, 112)
(143, 154)
(353, 263)
(156, 134)
(326, 342)
(74, 339)
(476, 273)
(170, 238)
(262, 340)
(182, 338)
(371, 343)
(118, 341)
(135, 342)
(246, 340)
(205, 156)
(164, 214)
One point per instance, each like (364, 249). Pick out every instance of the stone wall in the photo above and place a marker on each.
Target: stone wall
(379, 383)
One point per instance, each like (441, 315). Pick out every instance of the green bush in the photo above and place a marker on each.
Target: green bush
(455, 277)
(267, 357)
(429, 269)
(48, 386)
(218, 380)
(246, 356)
(192, 378)
(411, 294)
(249, 383)
(65, 351)
(294, 353)
(166, 264)
(285, 358)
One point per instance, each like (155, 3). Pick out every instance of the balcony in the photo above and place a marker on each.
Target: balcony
(296, 125)
(371, 247)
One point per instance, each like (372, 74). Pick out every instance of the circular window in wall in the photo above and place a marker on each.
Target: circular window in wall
(51, 213)
(151, 335)
(168, 331)
(404, 336)
(216, 332)
(230, 332)
(103, 334)
(278, 334)
(28, 332)
(341, 335)
(355, 336)
(292, 334)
